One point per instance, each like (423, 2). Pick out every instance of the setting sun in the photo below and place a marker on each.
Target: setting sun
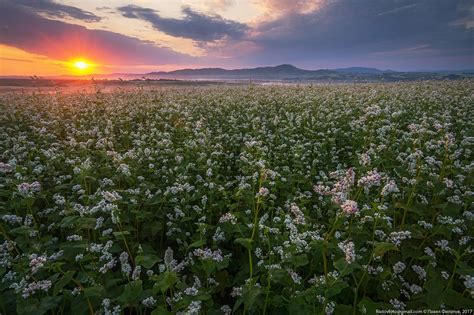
(81, 65)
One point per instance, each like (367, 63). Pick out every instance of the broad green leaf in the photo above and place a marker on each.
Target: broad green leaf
(367, 306)
(197, 244)
(167, 280)
(300, 260)
(50, 302)
(66, 278)
(245, 242)
(160, 310)
(382, 247)
(251, 297)
(121, 235)
(457, 300)
(93, 291)
(147, 261)
(343, 267)
(336, 288)
(132, 293)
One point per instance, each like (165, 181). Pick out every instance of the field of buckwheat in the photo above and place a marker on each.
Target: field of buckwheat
(330, 199)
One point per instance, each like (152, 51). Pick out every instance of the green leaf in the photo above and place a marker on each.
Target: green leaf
(336, 288)
(79, 306)
(434, 288)
(344, 309)
(86, 223)
(367, 306)
(245, 242)
(457, 300)
(29, 307)
(152, 228)
(68, 221)
(297, 307)
(132, 293)
(317, 244)
(301, 260)
(197, 244)
(93, 291)
(382, 247)
(50, 302)
(63, 281)
(22, 230)
(279, 276)
(209, 266)
(343, 267)
(121, 235)
(464, 269)
(167, 280)
(147, 261)
(250, 296)
(160, 310)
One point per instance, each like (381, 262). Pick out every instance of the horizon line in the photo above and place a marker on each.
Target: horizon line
(227, 69)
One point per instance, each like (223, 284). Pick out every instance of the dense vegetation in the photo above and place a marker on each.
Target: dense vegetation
(278, 200)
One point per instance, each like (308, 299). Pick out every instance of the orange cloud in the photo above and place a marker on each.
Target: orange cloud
(14, 61)
(57, 40)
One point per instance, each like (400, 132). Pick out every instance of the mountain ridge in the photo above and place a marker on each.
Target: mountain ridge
(282, 72)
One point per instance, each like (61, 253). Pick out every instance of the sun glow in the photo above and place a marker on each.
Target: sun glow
(81, 66)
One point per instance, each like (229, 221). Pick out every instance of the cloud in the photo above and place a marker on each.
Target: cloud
(284, 7)
(221, 5)
(351, 30)
(23, 29)
(397, 34)
(193, 25)
(57, 10)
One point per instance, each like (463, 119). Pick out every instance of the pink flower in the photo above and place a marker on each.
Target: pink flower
(349, 207)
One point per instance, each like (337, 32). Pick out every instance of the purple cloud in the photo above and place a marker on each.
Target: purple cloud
(54, 9)
(193, 25)
(22, 28)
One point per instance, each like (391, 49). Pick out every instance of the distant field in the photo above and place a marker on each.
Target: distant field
(66, 85)
(197, 198)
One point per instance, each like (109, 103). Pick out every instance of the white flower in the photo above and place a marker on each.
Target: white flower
(297, 214)
(226, 309)
(149, 301)
(5, 168)
(263, 192)
(27, 190)
(419, 271)
(228, 217)
(398, 305)
(399, 267)
(390, 187)
(207, 253)
(349, 250)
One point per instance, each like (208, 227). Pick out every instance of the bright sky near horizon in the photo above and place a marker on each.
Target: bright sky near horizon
(52, 37)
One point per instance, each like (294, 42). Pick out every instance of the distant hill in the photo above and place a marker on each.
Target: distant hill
(290, 73)
(277, 72)
(362, 70)
(284, 73)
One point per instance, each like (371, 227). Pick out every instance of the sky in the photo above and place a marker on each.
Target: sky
(54, 37)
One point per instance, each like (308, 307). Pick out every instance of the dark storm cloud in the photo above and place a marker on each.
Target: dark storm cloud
(54, 9)
(31, 32)
(347, 29)
(193, 25)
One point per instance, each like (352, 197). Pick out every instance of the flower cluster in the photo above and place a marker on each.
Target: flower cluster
(222, 199)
